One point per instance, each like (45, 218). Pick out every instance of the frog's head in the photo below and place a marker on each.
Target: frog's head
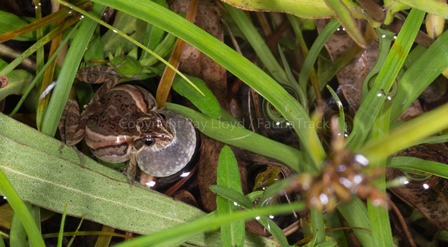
(168, 146)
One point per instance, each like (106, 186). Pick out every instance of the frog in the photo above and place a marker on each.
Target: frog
(122, 123)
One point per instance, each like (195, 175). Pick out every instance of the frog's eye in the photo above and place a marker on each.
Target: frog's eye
(140, 143)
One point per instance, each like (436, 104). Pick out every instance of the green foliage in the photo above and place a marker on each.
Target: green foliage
(374, 135)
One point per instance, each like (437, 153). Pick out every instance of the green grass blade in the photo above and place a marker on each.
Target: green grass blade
(262, 50)
(228, 175)
(41, 72)
(419, 165)
(61, 228)
(386, 38)
(68, 72)
(206, 103)
(379, 216)
(344, 15)
(368, 111)
(17, 235)
(275, 231)
(207, 223)
(232, 195)
(315, 49)
(317, 222)
(20, 210)
(439, 8)
(236, 135)
(406, 135)
(233, 62)
(306, 8)
(424, 70)
(355, 213)
(257, 43)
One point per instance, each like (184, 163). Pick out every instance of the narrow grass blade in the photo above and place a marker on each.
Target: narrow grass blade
(317, 222)
(420, 74)
(68, 72)
(41, 72)
(371, 105)
(228, 175)
(275, 231)
(20, 210)
(207, 223)
(438, 8)
(315, 49)
(419, 165)
(61, 228)
(258, 44)
(232, 195)
(311, 9)
(206, 103)
(17, 234)
(233, 62)
(236, 135)
(406, 135)
(379, 216)
(344, 15)
(355, 213)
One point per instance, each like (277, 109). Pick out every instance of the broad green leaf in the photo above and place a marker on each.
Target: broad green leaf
(52, 179)
(18, 81)
(206, 103)
(228, 175)
(9, 22)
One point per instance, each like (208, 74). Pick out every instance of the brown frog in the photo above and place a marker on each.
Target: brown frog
(122, 123)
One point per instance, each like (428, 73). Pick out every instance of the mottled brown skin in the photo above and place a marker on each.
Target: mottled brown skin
(117, 122)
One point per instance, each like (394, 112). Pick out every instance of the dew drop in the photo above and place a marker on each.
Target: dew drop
(324, 199)
(347, 183)
(151, 183)
(361, 159)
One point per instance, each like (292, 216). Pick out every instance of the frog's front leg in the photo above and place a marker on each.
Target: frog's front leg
(71, 128)
(131, 168)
